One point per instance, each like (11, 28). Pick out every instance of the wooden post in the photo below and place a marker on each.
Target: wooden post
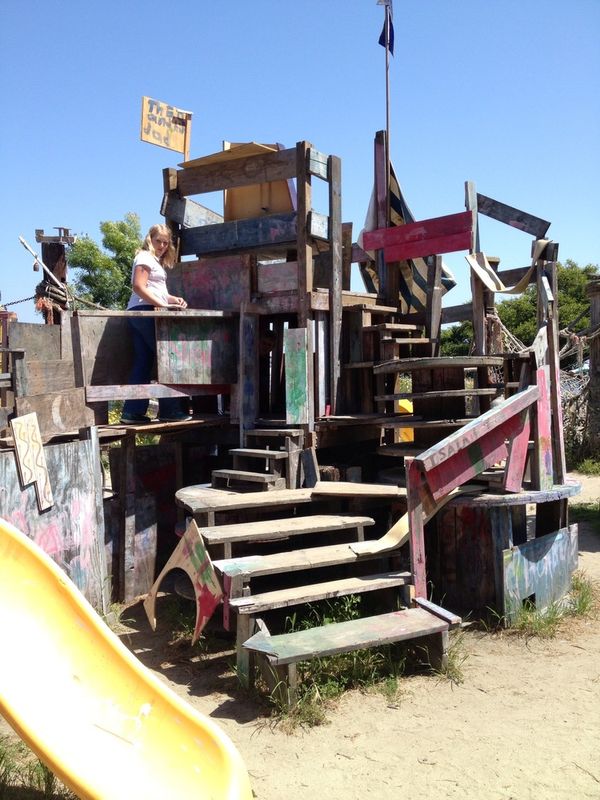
(334, 171)
(593, 432)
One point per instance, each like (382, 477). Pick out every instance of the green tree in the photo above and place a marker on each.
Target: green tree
(104, 275)
(519, 314)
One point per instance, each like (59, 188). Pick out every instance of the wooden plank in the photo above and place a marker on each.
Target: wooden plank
(283, 598)
(476, 428)
(248, 377)
(244, 171)
(421, 235)
(453, 620)
(296, 376)
(266, 232)
(268, 455)
(543, 434)
(191, 556)
(95, 394)
(243, 475)
(410, 364)
(57, 412)
(351, 489)
(517, 457)
(416, 525)
(318, 164)
(31, 460)
(303, 244)
(282, 528)
(335, 302)
(512, 216)
(219, 284)
(196, 350)
(291, 561)
(439, 393)
(201, 500)
(40, 342)
(461, 313)
(187, 213)
(281, 276)
(342, 637)
(41, 377)
(540, 569)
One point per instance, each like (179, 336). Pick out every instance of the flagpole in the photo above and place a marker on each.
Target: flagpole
(387, 113)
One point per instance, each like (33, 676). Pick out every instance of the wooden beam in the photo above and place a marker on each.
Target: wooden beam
(245, 234)
(512, 216)
(278, 165)
(335, 302)
(188, 213)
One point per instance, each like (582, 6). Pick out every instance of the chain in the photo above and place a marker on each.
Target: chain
(16, 302)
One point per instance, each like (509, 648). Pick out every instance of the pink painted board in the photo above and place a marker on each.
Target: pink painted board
(517, 456)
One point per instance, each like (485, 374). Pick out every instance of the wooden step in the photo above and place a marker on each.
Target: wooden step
(247, 567)
(247, 452)
(342, 637)
(416, 340)
(267, 601)
(391, 326)
(274, 432)
(283, 528)
(238, 475)
(441, 393)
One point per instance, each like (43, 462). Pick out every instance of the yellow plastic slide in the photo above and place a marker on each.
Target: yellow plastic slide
(101, 721)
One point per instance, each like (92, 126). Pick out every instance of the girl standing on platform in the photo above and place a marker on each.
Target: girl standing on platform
(149, 284)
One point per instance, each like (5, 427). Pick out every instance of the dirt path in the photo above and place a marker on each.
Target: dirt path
(525, 723)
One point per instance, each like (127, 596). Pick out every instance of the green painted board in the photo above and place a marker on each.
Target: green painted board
(296, 376)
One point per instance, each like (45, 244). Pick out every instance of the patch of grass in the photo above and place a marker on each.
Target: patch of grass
(589, 466)
(23, 775)
(582, 601)
(456, 659)
(585, 512)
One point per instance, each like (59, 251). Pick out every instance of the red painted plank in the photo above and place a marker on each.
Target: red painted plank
(416, 523)
(434, 228)
(517, 457)
(429, 247)
(543, 443)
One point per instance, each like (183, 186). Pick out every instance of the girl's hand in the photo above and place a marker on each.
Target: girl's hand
(178, 301)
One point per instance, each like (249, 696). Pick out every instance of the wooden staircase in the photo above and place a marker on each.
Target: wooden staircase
(275, 464)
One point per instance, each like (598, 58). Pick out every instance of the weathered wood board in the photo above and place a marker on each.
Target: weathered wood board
(260, 232)
(280, 276)
(40, 342)
(57, 412)
(512, 216)
(72, 530)
(423, 238)
(196, 350)
(31, 461)
(96, 339)
(220, 284)
(296, 376)
(539, 570)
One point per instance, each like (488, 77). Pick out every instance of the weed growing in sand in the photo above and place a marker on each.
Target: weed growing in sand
(23, 775)
(585, 512)
(589, 466)
(456, 658)
(582, 601)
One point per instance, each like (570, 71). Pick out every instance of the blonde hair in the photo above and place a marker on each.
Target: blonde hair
(168, 259)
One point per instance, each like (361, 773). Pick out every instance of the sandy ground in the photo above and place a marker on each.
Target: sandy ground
(524, 723)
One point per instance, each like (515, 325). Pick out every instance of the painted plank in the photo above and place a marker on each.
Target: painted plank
(283, 598)
(411, 364)
(543, 433)
(244, 171)
(476, 428)
(277, 277)
(57, 412)
(196, 350)
(512, 216)
(246, 234)
(282, 528)
(296, 376)
(31, 460)
(219, 284)
(335, 297)
(540, 569)
(422, 232)
(248, 377)
(191, 556)
(517, 457)
(144, 390)
(428, 247)
(341, 637)
(40, 342)
(415, 485)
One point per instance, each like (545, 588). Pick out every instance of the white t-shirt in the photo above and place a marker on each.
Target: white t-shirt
(157, 279)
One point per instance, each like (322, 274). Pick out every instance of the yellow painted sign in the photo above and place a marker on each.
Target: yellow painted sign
(165, 125)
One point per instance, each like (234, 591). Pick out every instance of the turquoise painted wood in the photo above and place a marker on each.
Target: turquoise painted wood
(540, 569)
(201, 350)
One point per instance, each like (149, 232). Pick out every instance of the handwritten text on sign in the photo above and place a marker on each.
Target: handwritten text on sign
(164, 125)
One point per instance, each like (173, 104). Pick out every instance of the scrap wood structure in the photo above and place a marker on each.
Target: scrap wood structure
(310, 376)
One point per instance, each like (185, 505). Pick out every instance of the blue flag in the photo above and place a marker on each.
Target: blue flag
(387, 32)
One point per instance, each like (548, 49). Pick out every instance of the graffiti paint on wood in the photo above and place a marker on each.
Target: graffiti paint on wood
(539, 570)
(31, 461)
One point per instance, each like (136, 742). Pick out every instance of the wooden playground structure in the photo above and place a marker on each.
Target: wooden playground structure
(300, 477)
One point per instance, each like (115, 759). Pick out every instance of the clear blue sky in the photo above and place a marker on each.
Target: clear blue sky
(501, 92)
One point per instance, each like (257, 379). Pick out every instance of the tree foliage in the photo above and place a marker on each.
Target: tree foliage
(104, 275)
(519, 314)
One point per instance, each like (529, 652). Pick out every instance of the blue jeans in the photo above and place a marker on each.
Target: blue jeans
(144, 356)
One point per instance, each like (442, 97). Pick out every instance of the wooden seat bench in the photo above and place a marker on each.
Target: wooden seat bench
(287, 649)
(271, 530)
